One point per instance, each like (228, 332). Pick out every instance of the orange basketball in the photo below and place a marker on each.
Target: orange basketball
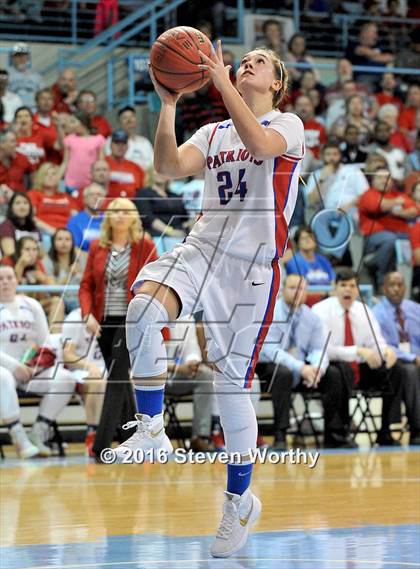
(174, 58)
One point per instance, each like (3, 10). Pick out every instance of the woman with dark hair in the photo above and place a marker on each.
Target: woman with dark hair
(64, 265)
(19, 223)
(30, 269)
(81, 150)
(316, 268)
(297, 54)
(33, 141)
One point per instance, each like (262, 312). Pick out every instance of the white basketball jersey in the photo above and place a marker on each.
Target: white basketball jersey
(248, 202)
(75, 331)
(22, 324)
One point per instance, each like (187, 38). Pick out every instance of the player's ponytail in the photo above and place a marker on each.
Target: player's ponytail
(283, 75)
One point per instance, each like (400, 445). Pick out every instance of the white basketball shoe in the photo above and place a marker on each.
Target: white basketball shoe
(150, 435)
(239, 514)
(39, 435)
(23, 445)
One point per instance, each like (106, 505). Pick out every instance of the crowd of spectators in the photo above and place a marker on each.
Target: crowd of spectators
(62, 165)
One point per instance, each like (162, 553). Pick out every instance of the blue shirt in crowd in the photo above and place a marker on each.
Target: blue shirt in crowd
(317, 272)
(295, 339)
(386, 314)
(85, 228)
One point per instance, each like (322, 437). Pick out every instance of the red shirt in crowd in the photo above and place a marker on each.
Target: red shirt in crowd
(49, 130)
(126, 178)
(315, 136)
(36, 146)
(55, 210)
(372, 219)
(14, 175)
(399, 140)
(59, 104)
(407, 118)
(383, 98)
(101, 126)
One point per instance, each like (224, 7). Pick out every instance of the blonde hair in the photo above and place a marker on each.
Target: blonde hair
(280, 71)
(41, 174)
(135, 231)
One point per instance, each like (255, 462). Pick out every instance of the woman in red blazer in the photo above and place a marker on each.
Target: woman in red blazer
(105, 290)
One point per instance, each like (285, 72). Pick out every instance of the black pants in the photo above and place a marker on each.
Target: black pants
(395, 384)
(399, 383)
(334, 389)
(119, 405)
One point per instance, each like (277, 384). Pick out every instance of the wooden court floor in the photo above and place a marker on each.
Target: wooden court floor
(355, 510)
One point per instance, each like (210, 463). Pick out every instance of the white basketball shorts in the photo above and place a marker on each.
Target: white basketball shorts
(237, 298)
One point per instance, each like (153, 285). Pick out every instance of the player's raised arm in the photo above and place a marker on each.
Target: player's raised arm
(260, 84)
(169, 160)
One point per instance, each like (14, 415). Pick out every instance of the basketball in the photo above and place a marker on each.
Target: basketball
(174, 58)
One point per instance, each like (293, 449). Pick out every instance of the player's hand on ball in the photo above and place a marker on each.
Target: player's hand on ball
(165, 95)
(218, 71)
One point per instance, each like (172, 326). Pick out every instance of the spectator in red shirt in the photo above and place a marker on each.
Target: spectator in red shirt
(126, 176)
(384, 214)
(389, 91)
(14, 167)
(52, 208)
(409, 119)
(86, 102)
(32, 140)
(65, 92)
(388, 114)
(47, 120)
(315, 135)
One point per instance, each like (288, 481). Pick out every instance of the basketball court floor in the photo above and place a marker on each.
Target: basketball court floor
(354, 510)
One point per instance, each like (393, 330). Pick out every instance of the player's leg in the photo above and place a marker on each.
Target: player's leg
(236, 330)
(57, 385)
(10, 415)
(153, 307)
(241, 508)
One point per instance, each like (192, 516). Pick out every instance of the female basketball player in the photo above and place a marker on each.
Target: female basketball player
(227, 267)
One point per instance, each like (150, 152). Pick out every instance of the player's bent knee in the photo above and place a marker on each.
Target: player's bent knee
(164, 294)
(146, 316)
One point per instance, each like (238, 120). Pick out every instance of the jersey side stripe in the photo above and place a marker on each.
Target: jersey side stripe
(212, 134)
(265, 324)
(282, 179)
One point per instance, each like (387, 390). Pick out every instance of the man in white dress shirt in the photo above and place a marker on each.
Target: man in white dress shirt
(357, 347)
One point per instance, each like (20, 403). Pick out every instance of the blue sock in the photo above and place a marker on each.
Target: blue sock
(149, 399)
(238, 477)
